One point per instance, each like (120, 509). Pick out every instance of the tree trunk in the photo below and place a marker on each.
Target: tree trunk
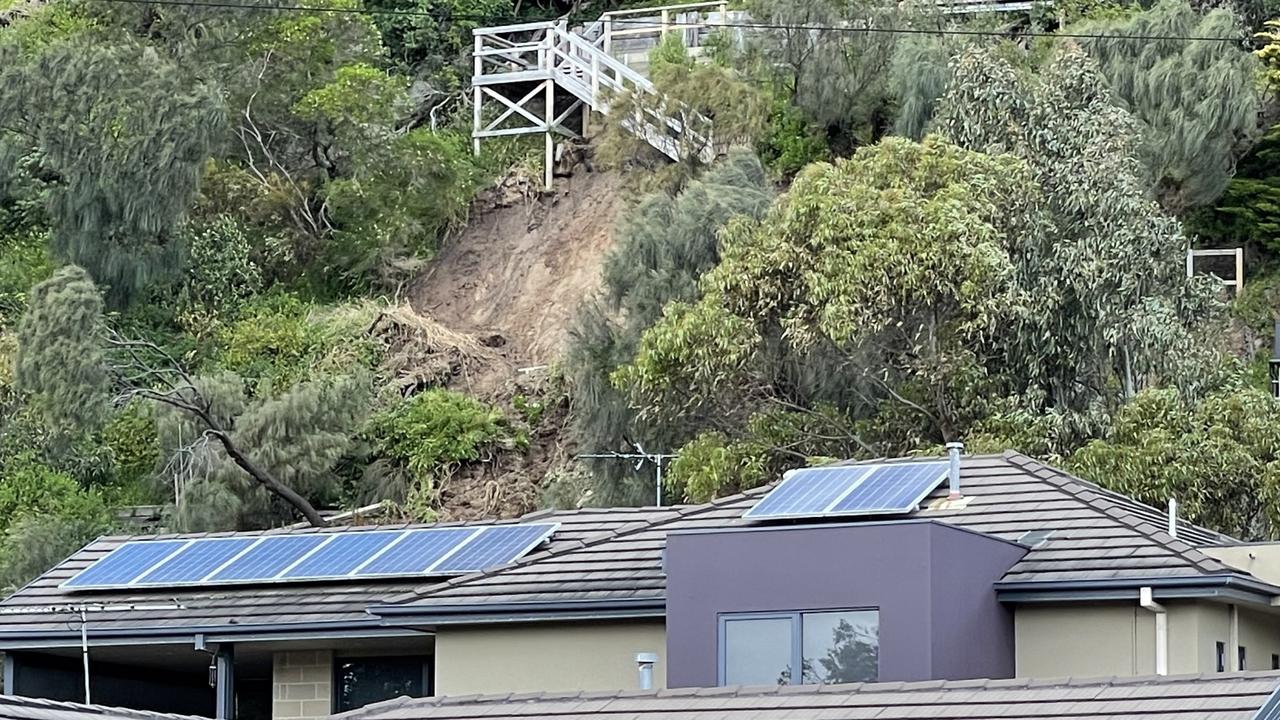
(265, 478)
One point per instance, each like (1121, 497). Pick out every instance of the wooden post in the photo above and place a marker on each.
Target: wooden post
(476, 96)
(1191, 262)
(608, 34)
(1239, 271)
(666, 20)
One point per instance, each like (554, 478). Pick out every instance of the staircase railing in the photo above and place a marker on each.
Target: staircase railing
(690, 19)
(549, 51)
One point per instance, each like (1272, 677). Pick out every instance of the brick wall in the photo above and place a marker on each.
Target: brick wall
(302, 685)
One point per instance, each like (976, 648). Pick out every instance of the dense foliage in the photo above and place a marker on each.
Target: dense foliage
(877, 242)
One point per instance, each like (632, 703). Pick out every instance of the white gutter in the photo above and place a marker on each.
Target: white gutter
(1162, 629)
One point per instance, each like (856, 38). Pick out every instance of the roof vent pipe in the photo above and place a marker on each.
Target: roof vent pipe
(1173, 517)
(645, 662)
(954, 450)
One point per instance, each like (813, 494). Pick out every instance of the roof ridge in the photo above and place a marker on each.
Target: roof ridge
(677, 512)
(1075, 486)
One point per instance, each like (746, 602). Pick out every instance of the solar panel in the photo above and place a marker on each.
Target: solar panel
(417, 552)
(889, 488)
(892, 488)
(270, 557)
(342, 554)
(311, 556)
(809, 491)
(195, 561)
(493, 547)
(125, 563)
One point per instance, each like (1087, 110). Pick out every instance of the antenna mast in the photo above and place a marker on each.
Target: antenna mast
(82, 612)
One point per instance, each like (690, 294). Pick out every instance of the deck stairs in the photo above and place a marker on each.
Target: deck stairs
(522, 68)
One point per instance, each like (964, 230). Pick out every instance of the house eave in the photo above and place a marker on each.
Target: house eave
(1220, 587)
(211, 634)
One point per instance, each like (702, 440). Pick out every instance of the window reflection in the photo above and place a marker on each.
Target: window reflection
(827, 646)
(757, 651)
(841, 647)
(364, 680)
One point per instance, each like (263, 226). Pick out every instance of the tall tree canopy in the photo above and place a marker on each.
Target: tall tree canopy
(116, 136)
(663, 245)
(1196, 102)
(1107, 296)
(890, 269)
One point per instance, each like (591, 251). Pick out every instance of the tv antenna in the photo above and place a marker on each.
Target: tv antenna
(639, 457)
(82, 612)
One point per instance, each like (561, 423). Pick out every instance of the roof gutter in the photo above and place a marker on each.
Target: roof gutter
(1225, 587)
(33, 639)
(487, 613)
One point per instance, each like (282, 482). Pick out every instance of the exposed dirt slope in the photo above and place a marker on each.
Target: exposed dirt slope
(516, 275)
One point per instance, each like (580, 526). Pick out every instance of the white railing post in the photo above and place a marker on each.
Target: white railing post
(666, 21)
(595, 79)
(476, 116)
(551, 116)
(608, 35)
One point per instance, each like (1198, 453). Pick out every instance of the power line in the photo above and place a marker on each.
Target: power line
(657, 24)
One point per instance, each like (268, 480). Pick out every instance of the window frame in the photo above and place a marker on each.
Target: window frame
(796, 618)
(335, 695)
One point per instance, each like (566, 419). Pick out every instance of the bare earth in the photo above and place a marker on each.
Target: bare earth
(504, 293)
(515, 277)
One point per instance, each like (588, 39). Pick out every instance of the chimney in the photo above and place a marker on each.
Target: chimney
(1274, 365)
(954, 450)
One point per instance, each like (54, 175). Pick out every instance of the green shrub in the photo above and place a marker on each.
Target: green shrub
(435, 431)
(130, 436)
(24, 261)
(790, 141)
(400, 199)
(221, 272)
(29, 488)
(710, 466)
(268, 340)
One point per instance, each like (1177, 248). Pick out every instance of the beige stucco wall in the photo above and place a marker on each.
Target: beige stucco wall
(1260, 635)
(301, 685)
(1083, 640)
(1119, 638)
(1262, 560)
(546, 657)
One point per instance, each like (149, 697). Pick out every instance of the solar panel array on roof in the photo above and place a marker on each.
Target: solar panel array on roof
(311, 556)
(890, 488)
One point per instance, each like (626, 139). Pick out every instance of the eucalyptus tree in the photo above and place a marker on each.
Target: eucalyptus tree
(891, 270)
(1107, 299)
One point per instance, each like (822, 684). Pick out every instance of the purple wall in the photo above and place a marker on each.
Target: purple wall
(931, 582)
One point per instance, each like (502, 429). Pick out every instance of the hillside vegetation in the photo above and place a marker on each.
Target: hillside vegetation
(250, 270)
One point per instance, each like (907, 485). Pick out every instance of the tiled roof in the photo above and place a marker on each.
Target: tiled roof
(276, 606)
(1224, 696)
(25, 708)
(616, 555)
(1097, 535)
